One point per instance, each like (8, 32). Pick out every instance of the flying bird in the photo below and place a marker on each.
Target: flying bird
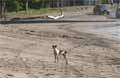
(56, 17)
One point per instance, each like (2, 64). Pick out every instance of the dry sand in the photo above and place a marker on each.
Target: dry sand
(26, 52)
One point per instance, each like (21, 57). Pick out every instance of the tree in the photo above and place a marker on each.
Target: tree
(26, 5)
(13, 5)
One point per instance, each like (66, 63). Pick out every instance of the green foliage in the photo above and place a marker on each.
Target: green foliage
(44, 10)
(102, 1)
(17, 5)
(13, 5)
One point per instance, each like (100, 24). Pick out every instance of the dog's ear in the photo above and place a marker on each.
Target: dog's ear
(55, 45)
(52, 46)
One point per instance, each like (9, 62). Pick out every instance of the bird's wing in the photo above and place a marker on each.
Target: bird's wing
(60, 16)
(56, 17)
(52, 17)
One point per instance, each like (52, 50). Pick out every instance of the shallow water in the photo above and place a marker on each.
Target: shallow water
(113, 30)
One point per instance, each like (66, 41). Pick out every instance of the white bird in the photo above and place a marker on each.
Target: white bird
(56, 17)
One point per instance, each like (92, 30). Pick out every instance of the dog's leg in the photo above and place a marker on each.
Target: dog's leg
(57, 58)
(64, 55)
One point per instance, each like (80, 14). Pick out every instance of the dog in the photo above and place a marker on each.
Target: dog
(57, 52)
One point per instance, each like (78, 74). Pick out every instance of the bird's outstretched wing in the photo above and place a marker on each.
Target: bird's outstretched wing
(56, 17)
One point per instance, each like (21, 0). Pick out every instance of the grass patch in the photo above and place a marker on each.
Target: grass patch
(71, 8)
(33, 11)
(44, 10)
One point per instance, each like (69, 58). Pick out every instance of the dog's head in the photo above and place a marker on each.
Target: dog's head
(54, 46)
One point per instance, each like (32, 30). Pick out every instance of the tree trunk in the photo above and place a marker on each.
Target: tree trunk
(58, 3)
(1, 7)
(4, 9)
(74, 2)
(43, 4)
(61, 6)
(26, 6)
